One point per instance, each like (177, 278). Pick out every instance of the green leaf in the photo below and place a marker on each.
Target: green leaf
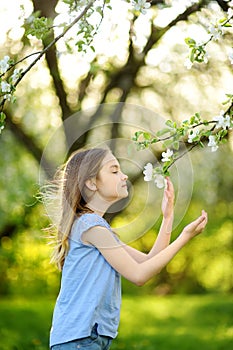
(171, 124)
(39, 27)
(2, 117)
(207, 133)
(229, 100)
(163, 132)
(190, 42)
(68, 47)
(224, 140)
(154, 140)
(165, 169)
(147, 135)
(222, 20)
(195, 119)
(167, 143)
(80, 45)
(201, 144)
(99, 9)
(222, 133)
(136, 136)
(198, 117)
(192, 55)
(176, 145)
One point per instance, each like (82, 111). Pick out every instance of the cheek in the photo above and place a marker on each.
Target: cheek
(109, 187)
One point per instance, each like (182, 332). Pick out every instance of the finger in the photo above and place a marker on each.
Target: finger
(203, 223)
(203, 212)
(169, 186)
(168, 181)
(199, 221)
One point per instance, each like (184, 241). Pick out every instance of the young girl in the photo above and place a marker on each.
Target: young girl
(91, 256)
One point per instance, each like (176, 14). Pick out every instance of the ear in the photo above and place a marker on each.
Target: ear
(91, 185)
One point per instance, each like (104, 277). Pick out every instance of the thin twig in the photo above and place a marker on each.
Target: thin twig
(55, 41)
(183, 154)
(19, 61)
(41, 53)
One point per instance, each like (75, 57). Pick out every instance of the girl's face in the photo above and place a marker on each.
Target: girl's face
(111, 181)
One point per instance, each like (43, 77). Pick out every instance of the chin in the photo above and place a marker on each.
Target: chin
(120, 197)
(124, 196)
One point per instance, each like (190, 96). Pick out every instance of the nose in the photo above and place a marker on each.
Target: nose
(124, 176)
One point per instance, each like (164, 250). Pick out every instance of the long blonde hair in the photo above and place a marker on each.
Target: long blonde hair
(69, 183)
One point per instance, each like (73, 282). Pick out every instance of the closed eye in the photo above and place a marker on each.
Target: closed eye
(115, 168)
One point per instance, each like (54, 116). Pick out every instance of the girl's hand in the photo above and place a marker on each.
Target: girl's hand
(196, 227)
(168, 200)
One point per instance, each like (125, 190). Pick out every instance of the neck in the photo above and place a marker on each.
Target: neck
(99, 206)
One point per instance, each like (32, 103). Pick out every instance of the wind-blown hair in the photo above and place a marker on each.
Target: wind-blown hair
(69, 184)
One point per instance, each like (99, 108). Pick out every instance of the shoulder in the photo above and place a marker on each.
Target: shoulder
(86, 222)
(100, 237)
(92, 219)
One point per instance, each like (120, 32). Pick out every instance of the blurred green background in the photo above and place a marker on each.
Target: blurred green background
(141, 64)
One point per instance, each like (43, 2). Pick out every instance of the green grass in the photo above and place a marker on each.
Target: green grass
(177, 322)
(147, 322)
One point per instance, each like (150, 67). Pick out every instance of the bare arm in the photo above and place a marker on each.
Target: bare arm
(164, 236)
(136, 272)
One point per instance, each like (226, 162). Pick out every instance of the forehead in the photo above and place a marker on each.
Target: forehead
(109, 161)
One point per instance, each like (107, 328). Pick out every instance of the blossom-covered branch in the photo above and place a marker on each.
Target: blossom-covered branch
(216, 31)
(190, 133)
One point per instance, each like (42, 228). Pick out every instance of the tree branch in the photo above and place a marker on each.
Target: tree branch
(224, 6)
(52, 43)
(157, 33)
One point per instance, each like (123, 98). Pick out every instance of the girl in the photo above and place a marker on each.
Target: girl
(91, 256)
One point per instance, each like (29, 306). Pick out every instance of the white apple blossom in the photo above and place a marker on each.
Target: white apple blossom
(206, 57)
(212, 143)
(160, 181)
(166, 156)
(141, 5)
(229, 13)
(230, 56)
(223, 121)
(4, 64)
(192, 135)
(15, 75)
(5, 87)
(149, 175)
(216, 30)
(148, 172)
